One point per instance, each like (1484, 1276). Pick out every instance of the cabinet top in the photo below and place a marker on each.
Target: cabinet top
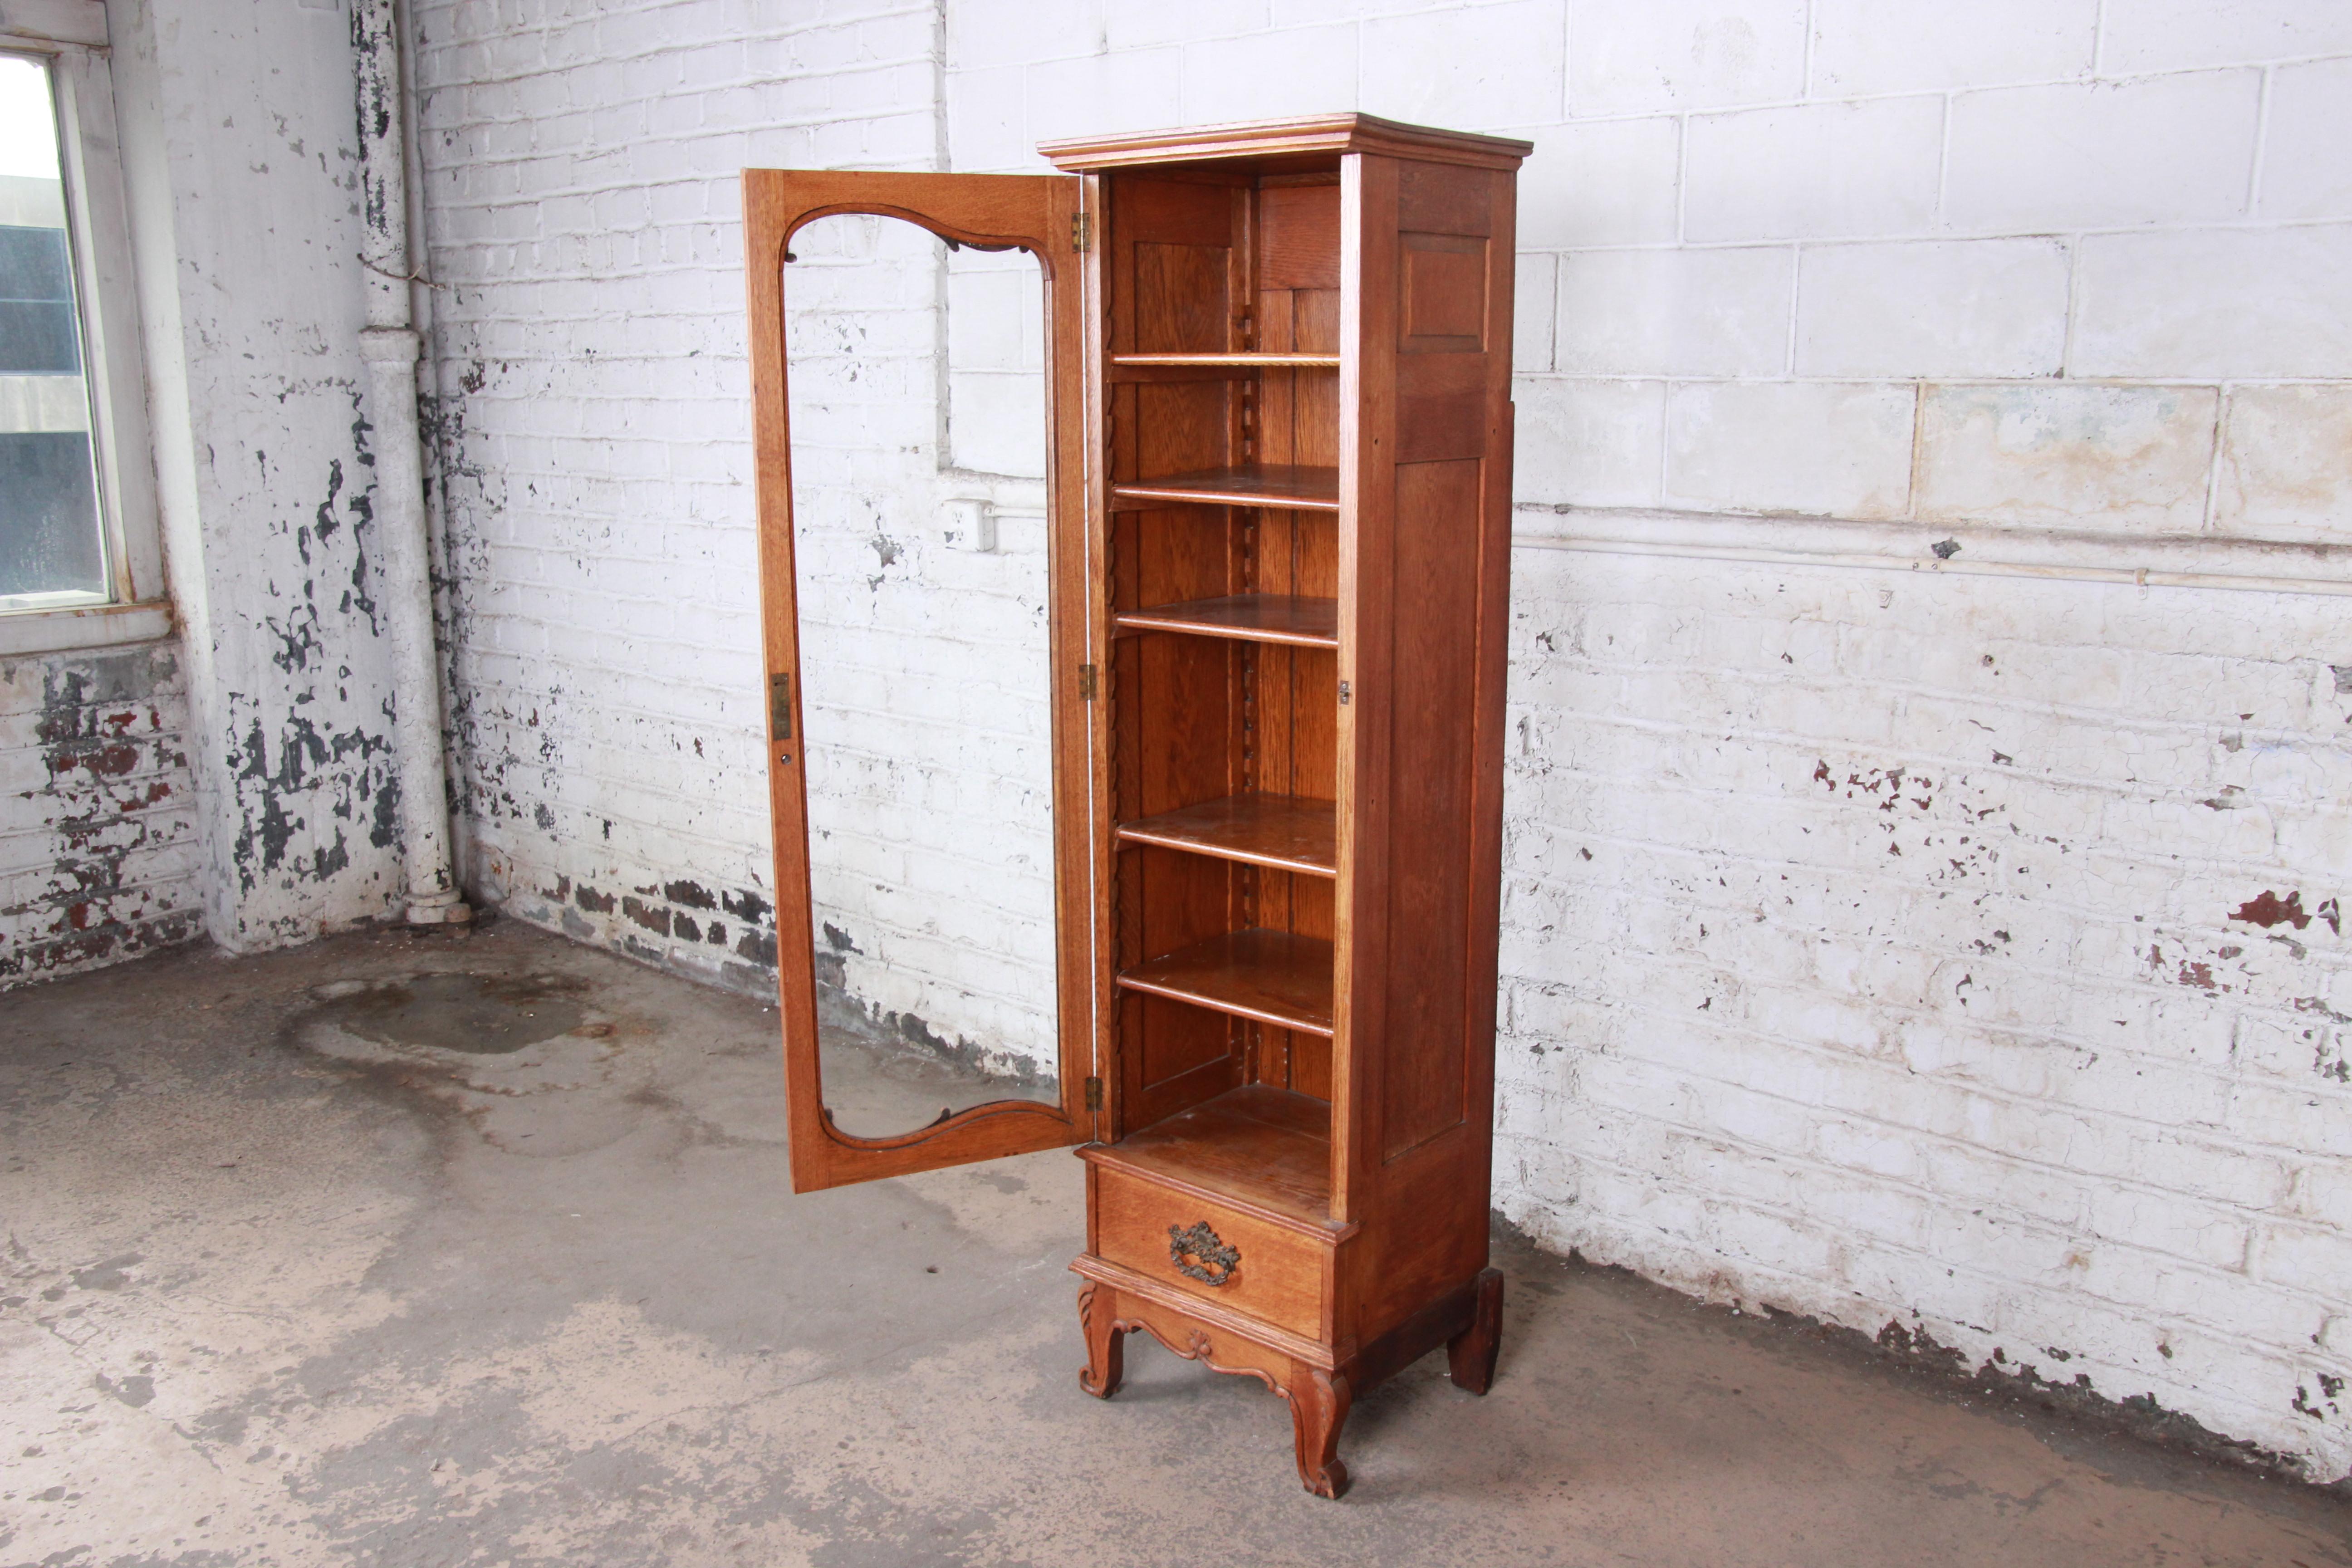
(1321, 134)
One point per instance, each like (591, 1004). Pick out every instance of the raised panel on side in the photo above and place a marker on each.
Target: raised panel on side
(1432, 714)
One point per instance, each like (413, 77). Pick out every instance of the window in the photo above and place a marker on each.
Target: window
(79, 561)
(52, 537)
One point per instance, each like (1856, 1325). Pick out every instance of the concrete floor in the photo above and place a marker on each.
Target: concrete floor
(287, 1283)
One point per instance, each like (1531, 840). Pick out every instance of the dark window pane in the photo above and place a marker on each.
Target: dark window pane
(48, 515)
(34, 264)
(37, 333)
(37, 339)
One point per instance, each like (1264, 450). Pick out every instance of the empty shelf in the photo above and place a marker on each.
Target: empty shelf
(1238, 361)
(1271, 976)
(1254, 484)
(1246, 617)
(1264, 1146)
(1286, 832)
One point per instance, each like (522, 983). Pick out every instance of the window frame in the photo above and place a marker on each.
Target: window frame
(69, 36)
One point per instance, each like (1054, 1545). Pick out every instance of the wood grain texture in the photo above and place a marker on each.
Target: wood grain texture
(1430, 707)
(1106, 1365)
(1271, 976)
(1470, 1354)
(1364, 1119)
(1278, 1273)
(1331, 134)
(1288, 618)
(1265, 1151)
(1286, 832)
(1260, 359)
(1310, 1372)
(1298, 237)
(1429, 552)
(1241, 484)
(1319, 1402)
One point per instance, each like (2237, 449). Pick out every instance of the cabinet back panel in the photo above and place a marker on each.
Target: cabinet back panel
(1192, 1051)
(1298, 237)
(1169, 554)
(1179, 298)
(1294, 693)
(1173, 428)
(1310, 1065)
(1172, 266)
(1178, 899)
(1182, 720)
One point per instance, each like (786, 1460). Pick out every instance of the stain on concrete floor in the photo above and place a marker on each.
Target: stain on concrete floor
(286, 1282)
(479, 1014)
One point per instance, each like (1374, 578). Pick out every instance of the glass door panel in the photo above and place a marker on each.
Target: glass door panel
(920, 590)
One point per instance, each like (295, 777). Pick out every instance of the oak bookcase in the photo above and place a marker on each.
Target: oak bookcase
(1279, 389)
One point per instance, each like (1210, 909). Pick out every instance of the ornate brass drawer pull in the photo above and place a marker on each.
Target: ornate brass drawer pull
(1218, 1261)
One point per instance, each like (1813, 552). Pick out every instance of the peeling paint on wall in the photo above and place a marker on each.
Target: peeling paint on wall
(96, 816)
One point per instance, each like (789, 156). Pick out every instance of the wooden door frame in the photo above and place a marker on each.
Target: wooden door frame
(1035, 213)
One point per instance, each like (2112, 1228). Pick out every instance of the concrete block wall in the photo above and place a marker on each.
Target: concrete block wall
(1958, 953)
(1927, 835)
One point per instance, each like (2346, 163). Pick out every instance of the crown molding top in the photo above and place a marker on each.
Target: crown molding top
(1321, 134)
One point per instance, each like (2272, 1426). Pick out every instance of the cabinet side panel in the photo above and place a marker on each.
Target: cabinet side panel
(1426, 552)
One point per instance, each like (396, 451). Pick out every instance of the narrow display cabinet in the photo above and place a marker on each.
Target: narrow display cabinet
(1276, 374)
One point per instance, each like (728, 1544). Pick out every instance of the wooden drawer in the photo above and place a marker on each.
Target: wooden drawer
(1278, 1276)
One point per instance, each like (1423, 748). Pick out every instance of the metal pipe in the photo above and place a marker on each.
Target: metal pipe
(390, 345)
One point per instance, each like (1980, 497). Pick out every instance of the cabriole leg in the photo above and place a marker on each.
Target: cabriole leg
(1470, 1354)
(1105, 1345)
(1318, 1408)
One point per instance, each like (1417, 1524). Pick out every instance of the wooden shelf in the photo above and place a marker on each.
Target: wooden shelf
(1254, 484)
(1286, 832)
(1237, 361)
(1244, 617)
(1270, 976)
(1265, 1147)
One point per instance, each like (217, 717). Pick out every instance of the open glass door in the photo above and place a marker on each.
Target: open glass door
(916, 347)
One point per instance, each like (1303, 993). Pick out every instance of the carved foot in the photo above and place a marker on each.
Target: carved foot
(1470, 1354)
(1105, 1345)
(1318, 1408)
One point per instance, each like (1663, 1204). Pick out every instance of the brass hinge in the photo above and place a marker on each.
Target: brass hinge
(1085, 683)
(779, 706)
(1094, 1094)
(1082, 231)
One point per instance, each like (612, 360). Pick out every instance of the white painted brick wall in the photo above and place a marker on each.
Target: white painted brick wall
(1873, 941)
(233, 780)
(97, 818)
(928, 747)
(605, 594)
